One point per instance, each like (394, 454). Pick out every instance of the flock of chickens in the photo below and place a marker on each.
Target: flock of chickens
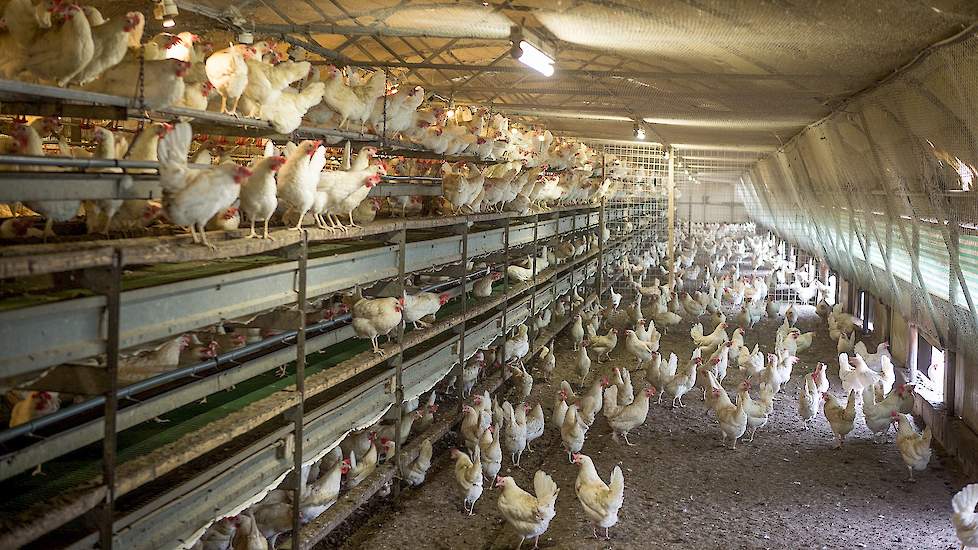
(493, 432)
(67, 44)
(292, 185)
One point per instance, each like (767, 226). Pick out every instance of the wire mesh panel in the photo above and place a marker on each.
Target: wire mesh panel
(641, 173)
(884, 190)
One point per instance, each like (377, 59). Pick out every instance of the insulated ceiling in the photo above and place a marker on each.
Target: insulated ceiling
(742, 75)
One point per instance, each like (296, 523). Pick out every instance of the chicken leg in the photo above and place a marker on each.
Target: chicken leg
(49, 229)
(252, 235)
(203, 238)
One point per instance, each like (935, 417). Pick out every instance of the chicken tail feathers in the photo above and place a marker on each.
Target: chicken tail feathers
(617, 486)
(545, 488)
(965, 501)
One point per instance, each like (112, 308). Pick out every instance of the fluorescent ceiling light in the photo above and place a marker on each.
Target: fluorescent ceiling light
(532, 57)
(751, 124)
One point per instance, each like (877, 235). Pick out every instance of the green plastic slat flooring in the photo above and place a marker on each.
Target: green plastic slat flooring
(77, 467)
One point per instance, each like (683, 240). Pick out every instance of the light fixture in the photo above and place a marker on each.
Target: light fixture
(451, 108)
(639, 133)
(531, 51)
(166, 10)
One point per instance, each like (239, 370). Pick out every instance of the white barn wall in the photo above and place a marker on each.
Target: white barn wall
(709, 203)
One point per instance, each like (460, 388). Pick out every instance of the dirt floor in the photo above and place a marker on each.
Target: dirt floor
(788, 489)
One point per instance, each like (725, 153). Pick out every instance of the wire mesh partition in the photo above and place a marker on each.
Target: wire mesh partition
(641, 173)
(882, 189)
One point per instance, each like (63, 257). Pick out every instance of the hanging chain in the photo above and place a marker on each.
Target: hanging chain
(141, 83)
(383, 137)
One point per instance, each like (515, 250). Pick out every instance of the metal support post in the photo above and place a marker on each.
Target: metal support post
(671, 216)
(599, 273)
(108, 282)
(300, 383)
(460, 328)
(533, 295)
(399, 365)
(505, 304)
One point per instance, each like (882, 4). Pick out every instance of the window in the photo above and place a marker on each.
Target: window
(930, 368)
(832, 296)
(865, 309)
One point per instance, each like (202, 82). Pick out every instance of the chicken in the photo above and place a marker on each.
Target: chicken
(534, 424)
(492, 453)
(577, 331)
(345, 189)
(61, 52)
(757, 411)
(514, 434)
(193, 196)
(560, 410)
(546, 362)
(683, 381)
(140, 366)
(604, 345)
(527, 514)
(463, 186)
(582, 363)
(521, 380)
(299, 177)
(247, 535)
(692, 308)
(887, 376)
(396, 114)
(641, 351)
(840, 419)
(273, 519)
(227, 70)
(964, 518)
(28, 142)
(20, 227)
(415, 471)
(257, 199)
(472, 426)
(111, 41)
(631, 416)
(286, 113)
(421, 305)
(808, 400)
(820, 378)
(483, 287)
(717, 337)
(354, 103)
(164, 81)
(468, 478)
(99, 214)
(873, 360)
(732, 418)
(373, 318)
(572, 432)
(219, 535)
(322, 493)
(266, 82)
(878, 415)
(914, 447)
(35, 404)
(599, 501)
(359, 471)
(517, 346)
(857, 376)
